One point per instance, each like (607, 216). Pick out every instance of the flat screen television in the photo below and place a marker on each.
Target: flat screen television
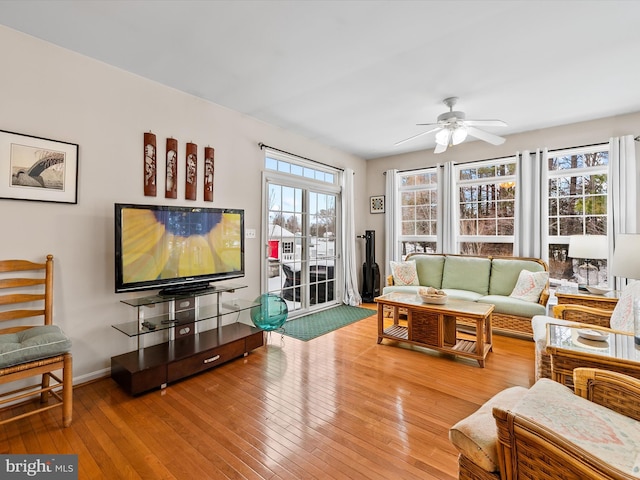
(176, 249)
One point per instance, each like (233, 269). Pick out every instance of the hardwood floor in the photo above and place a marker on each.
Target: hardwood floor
(339, 406)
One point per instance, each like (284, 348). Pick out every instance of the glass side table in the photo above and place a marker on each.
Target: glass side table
(569, 350)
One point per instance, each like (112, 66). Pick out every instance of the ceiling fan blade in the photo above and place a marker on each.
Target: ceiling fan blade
(485, 123)
(416, 136)
(440, 148)
(486, 136)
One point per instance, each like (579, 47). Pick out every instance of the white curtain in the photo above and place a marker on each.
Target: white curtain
(624, 180)
(447, 209)
(351, 295)
(531, 228)
(391, 222)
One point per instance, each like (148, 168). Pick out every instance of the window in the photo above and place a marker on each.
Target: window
(284, 166)
(577, 206)
(486, 200)
(419, 211)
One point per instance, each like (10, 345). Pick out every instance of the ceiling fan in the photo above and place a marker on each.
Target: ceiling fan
(452, 128)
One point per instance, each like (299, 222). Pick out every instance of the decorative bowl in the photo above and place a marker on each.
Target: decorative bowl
(434, 299)
(598, 290)
(594, 335)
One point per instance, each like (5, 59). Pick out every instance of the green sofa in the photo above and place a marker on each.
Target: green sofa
(481, 279)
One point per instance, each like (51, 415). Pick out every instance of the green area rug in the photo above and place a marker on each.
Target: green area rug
(317, 324)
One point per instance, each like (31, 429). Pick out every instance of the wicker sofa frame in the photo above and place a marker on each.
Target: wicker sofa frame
(501, 323)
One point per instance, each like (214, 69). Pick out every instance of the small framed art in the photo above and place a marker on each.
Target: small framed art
(376, 204)
(40, 169)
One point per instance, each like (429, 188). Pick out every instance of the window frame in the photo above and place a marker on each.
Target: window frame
(431, 187)
(559, 239)
(493, 180)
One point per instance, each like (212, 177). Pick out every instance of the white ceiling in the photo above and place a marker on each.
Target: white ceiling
(358, 75)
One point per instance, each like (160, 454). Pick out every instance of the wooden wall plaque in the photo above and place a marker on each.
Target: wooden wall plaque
(208, 173)
(149, 164)
(171, 183)
(192, 171)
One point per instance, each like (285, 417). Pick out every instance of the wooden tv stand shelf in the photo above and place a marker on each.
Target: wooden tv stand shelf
(187, 351)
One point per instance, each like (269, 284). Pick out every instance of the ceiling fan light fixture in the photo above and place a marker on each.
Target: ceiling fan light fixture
(442, 137)
(452, 128)
(459, 135)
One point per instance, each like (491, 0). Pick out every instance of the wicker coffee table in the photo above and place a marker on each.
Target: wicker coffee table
(434, 326)
(568, 350)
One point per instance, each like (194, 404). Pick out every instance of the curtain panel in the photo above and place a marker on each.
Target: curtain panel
(624, 180)
(447, 209)
(351, 294)
(391, 220)
(531, 227)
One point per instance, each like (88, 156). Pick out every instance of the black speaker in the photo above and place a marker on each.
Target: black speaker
(370, 270)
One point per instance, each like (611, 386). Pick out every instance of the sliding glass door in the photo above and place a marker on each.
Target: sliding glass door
(301, 248)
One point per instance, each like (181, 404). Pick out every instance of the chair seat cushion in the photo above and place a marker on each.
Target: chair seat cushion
(603, 433)
(475, 437)
(34, 343)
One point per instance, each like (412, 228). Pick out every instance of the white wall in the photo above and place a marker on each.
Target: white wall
(577, 134)
(53, 93)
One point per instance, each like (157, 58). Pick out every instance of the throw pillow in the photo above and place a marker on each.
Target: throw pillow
(404, 273)
(622, 315)
(530, 285)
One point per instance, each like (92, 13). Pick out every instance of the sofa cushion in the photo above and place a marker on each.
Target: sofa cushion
(513, 306)
(505, 272)
(429, 269)
(404, 273)
(467, 273)
(475, 436)
(607, 435)
(530, 285)
(32, 344)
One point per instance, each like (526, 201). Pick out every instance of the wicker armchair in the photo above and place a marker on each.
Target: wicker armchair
(596, 436)
(548, 432)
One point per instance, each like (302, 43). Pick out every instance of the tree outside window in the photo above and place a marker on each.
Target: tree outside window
(486, 202)
(419, 211)
(577, 206)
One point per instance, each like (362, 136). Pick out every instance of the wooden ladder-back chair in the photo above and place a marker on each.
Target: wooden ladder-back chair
(26, 291)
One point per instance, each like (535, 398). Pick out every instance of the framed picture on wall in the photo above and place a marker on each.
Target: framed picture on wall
(39, 169)
(376, 204)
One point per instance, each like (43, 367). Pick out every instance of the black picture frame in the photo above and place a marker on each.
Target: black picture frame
(38, 169)
(376, 204)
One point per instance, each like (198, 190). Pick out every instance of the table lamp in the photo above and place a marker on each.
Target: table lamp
(588, 248)
(626, 264)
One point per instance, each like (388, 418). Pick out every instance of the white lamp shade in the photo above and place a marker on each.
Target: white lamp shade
(443, 136)
(626, 261)
(459, 135)
(590, 247)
